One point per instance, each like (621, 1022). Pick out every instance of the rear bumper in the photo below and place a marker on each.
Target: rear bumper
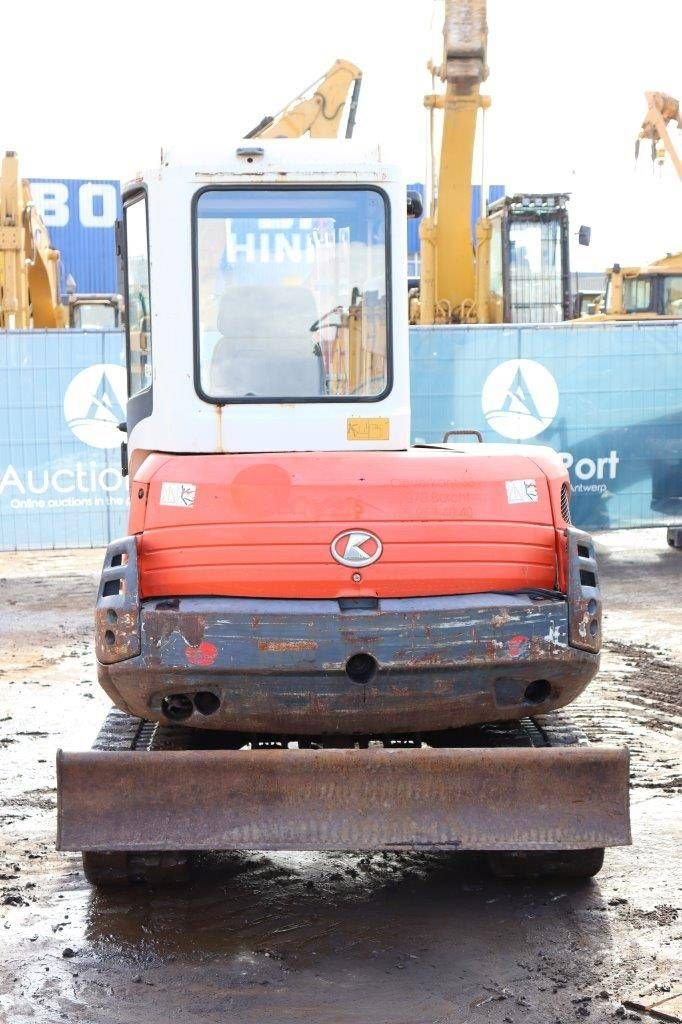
(284, 667)
(465, 799)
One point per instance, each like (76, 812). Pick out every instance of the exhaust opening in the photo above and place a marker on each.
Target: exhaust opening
(537, 691)
(361, 668)
(206, 703)
(177, 706)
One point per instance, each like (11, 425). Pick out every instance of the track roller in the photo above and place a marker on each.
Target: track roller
(118, 868)
(545, 863)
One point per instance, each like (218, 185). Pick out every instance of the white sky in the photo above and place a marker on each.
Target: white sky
(97, 89)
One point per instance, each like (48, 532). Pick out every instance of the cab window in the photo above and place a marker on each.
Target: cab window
(138, 307)
(291, 296)
(95, 316)
(637, 294)
(672, 295)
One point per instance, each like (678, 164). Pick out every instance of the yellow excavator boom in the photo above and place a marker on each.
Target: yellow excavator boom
(447, 290)
(29, 276)
(650, 292)
(29, 268)
(662, 110)
(318, 110)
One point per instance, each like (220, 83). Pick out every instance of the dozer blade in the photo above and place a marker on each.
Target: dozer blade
(468, 799)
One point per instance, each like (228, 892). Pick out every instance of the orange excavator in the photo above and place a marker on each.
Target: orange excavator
(316, 634)
(311, 621)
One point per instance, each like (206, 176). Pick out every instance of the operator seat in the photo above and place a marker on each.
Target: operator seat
(267, 349)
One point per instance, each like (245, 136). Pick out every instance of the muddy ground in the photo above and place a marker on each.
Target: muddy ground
(405, 939)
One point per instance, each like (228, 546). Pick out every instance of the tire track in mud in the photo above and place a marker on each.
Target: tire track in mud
(635, 702)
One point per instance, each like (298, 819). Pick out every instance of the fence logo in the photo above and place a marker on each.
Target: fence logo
(520, 399)
(94, 404)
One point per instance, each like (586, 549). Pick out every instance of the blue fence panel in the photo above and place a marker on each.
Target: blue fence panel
(62, 396)
(607, 396)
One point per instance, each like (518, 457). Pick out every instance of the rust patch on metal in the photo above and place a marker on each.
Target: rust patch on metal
(219, 427)
(408, 659)
(358, 640)
(532, 647)
(501, 618)
(491, 650)
(282, 646)
(160, 625)
(119, 639)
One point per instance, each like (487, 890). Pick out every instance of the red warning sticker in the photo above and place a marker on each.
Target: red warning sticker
(204, 654)
(518, 646)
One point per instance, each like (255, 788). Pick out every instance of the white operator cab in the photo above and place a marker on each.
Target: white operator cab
(266, 302)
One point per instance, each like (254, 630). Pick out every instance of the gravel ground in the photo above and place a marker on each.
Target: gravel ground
(325, 938)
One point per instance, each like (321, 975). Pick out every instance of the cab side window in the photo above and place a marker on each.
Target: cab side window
(138, 306)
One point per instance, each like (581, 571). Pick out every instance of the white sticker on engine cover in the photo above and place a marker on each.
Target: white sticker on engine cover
(521, 492)
(178, 495)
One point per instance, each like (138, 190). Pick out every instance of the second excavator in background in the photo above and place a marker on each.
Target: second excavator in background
(317, 111)
(30, 293)
(654, 291)
(662, 111)
(518, 270)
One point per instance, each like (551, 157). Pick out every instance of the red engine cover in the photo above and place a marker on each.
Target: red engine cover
(263, 525)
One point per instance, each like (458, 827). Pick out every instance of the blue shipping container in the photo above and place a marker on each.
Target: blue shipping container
(81, 217)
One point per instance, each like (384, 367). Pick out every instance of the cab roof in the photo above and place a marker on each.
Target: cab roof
(276, 159)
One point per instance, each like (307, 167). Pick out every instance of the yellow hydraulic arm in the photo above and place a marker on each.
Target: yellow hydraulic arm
(661, 111)
(29, 277)
(318, 110)
(447, 287)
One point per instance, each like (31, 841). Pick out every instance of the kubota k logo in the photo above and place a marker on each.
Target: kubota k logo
(356, 548)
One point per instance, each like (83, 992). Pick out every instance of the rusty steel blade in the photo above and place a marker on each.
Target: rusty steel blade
(469, 799)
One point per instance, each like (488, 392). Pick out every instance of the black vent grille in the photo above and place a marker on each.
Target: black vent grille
(565, 504)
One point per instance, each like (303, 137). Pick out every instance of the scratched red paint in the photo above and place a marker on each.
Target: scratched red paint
(204, 654)
(517, 645)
